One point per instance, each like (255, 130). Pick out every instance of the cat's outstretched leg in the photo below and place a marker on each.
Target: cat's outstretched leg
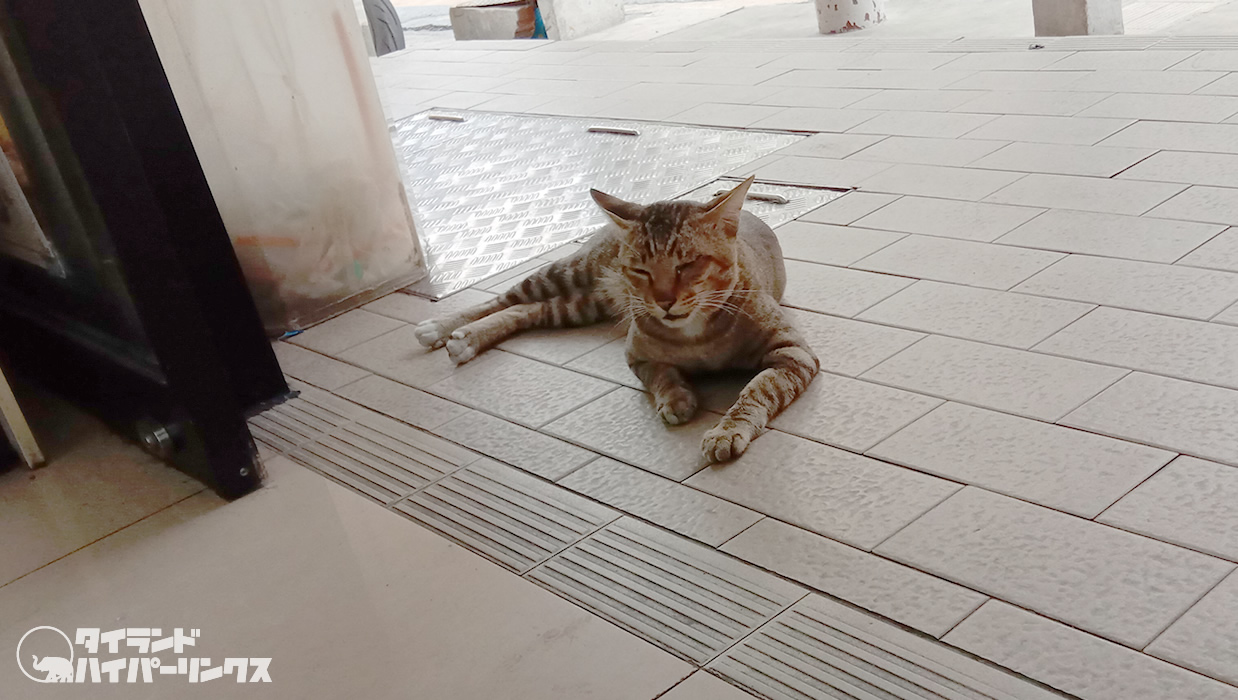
(471, 339)
(563, 278)
(672, 394)
(789, 366)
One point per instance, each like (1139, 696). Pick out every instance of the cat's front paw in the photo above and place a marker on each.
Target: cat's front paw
(727, 440)
(462, 346)
(677, 407)
(431, 334)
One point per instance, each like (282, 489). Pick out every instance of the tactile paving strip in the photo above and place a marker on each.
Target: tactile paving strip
(820, 649)
(491, 190)
(511, 518)
(306, 418)
(686, 598)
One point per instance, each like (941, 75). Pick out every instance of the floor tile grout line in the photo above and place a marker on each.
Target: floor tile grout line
(1185, 611)
(913, 521)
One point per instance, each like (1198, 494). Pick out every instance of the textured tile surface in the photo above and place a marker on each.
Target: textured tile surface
(1211, 204)
(1173, 290)
(1000, 318)
(821, 172)
(1044, 103)
(926, 151)
(625, 426)
(1183, 416)
(1048, 129)
(1015, 381)
(1111, 235)
(319, 370)
(525, 391)
(519, 446)
(836, 290)
(900, 593)
(1219, 169)
(1195, 350)
(825, 145)
(1063, 159)
(345, 331)
(1206, 638)
(838, 494)
(936, 124)
(1066, 469)
(848, 347)
(661, 501)
(936, 181)
(831, 245)
(608, 362)
(1220, 253)
(561, 345)
(703, 686)
(1191, 502)
(958, 262)
(680, 595)
(1112, 583)
(950, 218)
(1076, 662)
(821, 650)
(412, 309)
(398, 355)
(506, 516)
(849, 208)
(405, 403)
(1183, 108)
(1086, 193)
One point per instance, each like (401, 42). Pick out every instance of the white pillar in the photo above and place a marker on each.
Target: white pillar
(837, 16)
(1077, 17)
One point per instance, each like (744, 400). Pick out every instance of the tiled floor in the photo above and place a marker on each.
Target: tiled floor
(1024, 439)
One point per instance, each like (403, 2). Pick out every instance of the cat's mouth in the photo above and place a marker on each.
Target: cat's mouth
(674, 317)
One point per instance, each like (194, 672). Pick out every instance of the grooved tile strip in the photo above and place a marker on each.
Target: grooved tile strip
(686, 598)
(820, 649)
(511, 518)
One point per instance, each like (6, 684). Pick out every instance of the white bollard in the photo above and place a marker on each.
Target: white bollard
(1077, 17)
(837, 16)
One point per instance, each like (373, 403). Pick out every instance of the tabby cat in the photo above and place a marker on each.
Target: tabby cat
(699, 286)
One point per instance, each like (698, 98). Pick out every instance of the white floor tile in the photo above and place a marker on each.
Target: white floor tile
(1189, 503)
(719, 114)
(1210, 61)
(1175, 347)
(1030, 102)
(838, 494)
(1168, 108)
(813, 119)
(1121, 60)
(848, 347)
(837, 290)
(1078, 131)
(319, 370)
(820, 172)
(624, 425)
(1086, 193)
(927, 151)
(833, 98)
(1177, 136)
(703, 686)
(900, 593)
(411, 309)
(999, 318)
(916, 100)
(1219, 169)
(1076, 662)
(1058, 159)
(1012, 60)
(1121, 586)
(950, 125)
(1187, 417)
(561, 345)
(1058, 467)
(849, 208)
(1036, 80)
(400, 356)
(402, 402)
(518, 446)
(1210, 204)
(1206, 638)
(1142, 286)
(608, 362)
(958, 262)
(830, 145)
(1014, 381)
(935, 181)
(522, 390)
(1112, 235)
(1179, 82)
(345, 331)
(663, 502)
(950, 218)
(831, 245)
(1220, 253)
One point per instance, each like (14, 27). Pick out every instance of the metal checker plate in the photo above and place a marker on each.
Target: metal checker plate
(494, 190)
(799, 200)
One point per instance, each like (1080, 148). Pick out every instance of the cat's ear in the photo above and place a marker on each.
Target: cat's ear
(724, 209)
(621, 212)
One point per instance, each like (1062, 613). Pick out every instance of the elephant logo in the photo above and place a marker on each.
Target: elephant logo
(55, 669)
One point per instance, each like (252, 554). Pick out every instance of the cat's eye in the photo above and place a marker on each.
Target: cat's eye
(641, 272)
(681, 269)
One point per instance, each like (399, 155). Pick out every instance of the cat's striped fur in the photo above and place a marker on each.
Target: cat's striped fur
(698, 286)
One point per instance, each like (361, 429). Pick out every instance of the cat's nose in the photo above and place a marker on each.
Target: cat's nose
(666, 304)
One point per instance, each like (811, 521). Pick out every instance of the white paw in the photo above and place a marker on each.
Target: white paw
(430, 334)
(461, 348)
(727, 440)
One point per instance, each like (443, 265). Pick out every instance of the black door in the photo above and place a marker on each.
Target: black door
(118, 284)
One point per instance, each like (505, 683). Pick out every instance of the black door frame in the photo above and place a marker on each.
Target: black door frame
(95, 66)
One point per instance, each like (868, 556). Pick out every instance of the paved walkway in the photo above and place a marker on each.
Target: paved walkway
(1025, 440)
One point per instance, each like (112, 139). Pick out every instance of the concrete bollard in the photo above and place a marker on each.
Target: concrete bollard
(838, 16)
(1077, 17)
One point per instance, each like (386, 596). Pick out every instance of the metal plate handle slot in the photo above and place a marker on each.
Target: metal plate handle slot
(761, 197)
(620, 130)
